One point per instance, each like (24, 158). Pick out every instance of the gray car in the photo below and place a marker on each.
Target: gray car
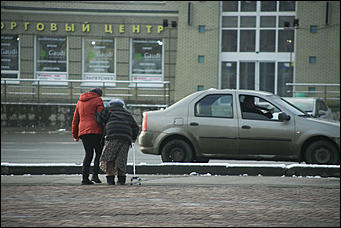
(238, 124)
(314, 106)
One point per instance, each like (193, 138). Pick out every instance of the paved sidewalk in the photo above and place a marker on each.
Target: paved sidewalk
(171, 200)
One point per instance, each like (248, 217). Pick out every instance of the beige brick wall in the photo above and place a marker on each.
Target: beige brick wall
(191, 44)
(325, 44)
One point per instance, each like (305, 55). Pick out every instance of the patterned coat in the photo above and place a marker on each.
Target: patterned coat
(118, 122)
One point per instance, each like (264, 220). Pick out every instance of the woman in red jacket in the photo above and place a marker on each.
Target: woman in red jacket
(85, 127)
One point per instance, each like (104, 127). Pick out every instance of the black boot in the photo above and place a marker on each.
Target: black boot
(121, 180)
(110, 180)
(95, 178)
(85, 180)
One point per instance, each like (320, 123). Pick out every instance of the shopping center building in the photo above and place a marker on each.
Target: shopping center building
(157, 52)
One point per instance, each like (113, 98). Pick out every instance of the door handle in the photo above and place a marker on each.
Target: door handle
(194, 124)
(246, 127)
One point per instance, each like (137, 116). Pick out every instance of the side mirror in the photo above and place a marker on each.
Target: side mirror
(283, 117)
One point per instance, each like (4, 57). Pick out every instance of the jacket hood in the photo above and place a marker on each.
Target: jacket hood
(88, 96)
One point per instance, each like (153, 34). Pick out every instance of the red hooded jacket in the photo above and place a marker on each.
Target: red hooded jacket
(84, 121)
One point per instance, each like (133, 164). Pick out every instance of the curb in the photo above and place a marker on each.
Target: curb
(182, 168)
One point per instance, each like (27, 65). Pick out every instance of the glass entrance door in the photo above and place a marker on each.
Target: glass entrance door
(252, 76)
(247, 75)
(257, 76)
(267, 76)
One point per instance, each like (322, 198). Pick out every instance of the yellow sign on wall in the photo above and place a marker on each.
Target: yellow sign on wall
(85, 27)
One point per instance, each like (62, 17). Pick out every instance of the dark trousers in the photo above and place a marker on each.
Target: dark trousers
(91, 142)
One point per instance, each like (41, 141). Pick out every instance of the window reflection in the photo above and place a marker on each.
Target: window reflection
(247, 40)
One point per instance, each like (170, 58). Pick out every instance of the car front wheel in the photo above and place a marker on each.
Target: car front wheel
(176, 150)
(321, 152)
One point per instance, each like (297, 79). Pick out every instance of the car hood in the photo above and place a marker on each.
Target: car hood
(325, 122)
(318, 126)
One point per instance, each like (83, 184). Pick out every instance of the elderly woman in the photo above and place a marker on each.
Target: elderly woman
(120, 131)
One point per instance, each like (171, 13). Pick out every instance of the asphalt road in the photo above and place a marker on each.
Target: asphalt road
(57, 146)
(50, 146)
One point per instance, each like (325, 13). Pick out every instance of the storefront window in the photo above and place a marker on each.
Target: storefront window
(248, 6)
(255, 36)
(229, 41)
(287, 5)
(286, 20)
(230, 22)
(9, 56)
(267, 40)
(147, 60)
(51, 58)
(229, 75)
(99, 59)
(247, 40)
(230, 6)
(267, 6)
(284, 76)
(248, 22)
(268, 22)
(283, 37)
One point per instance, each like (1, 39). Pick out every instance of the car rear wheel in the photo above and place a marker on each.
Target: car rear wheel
(321, 152)
(176, 150)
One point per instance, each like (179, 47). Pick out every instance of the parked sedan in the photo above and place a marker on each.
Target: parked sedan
(316, 107)
(238, 124)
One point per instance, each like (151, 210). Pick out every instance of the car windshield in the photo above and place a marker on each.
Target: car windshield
(293, 108)
(305, 105)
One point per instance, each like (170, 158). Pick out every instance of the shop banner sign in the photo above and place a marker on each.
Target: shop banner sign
(9, 56)
(99, 58)
(147, 60)
(51, 56)
(51, 76)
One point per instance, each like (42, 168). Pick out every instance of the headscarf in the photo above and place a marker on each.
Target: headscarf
(98, 91)
(117, 102)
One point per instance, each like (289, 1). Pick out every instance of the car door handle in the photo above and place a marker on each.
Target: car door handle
(194, 124)
(246, 127)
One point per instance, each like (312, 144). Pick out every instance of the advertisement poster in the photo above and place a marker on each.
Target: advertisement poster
(147, 60)
(51, 57)
(52, 76)
(9, 56)
(99, 59)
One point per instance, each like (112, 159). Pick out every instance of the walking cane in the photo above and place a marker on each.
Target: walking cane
(134, 177)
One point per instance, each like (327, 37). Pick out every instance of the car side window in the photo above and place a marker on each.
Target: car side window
(215, 105)
(256, 108)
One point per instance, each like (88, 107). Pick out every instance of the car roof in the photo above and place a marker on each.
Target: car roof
(302, 98)
(240, 91)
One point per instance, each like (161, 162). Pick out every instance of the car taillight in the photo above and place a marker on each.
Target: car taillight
(144, 122)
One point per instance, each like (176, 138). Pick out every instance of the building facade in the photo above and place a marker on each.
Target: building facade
(191, 45)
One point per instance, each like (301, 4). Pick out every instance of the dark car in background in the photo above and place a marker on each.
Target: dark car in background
(211, 124)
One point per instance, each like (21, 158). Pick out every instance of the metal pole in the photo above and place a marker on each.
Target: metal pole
(135, 91)
(71, 88)
(5, 90)
(289, 43)
(38, 91)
